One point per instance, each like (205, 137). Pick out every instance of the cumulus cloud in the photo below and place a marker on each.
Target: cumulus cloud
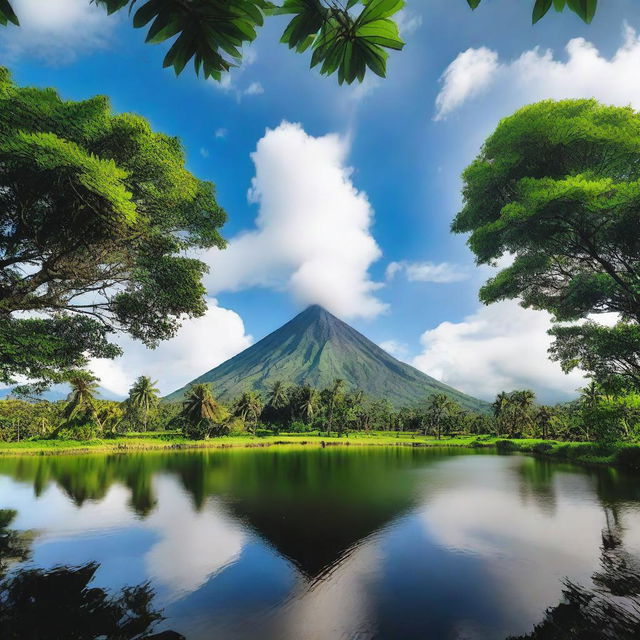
(56, 31)
(468, 75)
(441, 273)
(312, 235)
(537, 74)
(201, 344)
(500, 347)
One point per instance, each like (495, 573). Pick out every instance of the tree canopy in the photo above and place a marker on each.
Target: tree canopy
(557, 188)
(344, 36)
(97, 212)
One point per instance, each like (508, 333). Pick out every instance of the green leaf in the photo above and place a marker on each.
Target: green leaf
(559, 5)
(540, 9)
(473, 3)
(7, 14)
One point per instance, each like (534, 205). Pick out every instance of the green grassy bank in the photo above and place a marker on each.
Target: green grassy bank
(623, 456)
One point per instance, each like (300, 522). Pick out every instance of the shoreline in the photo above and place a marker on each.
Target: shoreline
(626, 457)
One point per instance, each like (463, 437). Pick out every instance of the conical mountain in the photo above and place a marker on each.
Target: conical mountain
(315, 348)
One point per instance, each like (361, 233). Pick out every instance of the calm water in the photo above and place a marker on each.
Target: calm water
(321, 543)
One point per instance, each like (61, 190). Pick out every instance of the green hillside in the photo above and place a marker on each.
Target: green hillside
(315, 348)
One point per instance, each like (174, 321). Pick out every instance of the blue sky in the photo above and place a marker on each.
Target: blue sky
(387, 159)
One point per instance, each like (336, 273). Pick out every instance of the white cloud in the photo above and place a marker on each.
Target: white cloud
(254, 89)
(468, 75)
(201, 344)
(204, 152)
(500, 347)
(398, 349)
(441, 273)
(56, 31)
(312, 234)
(408, 22)
(538, 75)
(220, 133)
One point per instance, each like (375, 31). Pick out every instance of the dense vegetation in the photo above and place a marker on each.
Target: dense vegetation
(97, 217)
(596, 417)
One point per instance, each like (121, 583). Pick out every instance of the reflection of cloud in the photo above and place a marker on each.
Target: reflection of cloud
(193, 545)
(478, 511)
(338, 605)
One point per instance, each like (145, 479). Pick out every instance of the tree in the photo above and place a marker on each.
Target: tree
(333, 397)
(201, 415)
(143, 398)
(307, 402)
(556, 186)
(97, 212)
(436, 414)
(81, 402)
(248, 407)
(276, 411)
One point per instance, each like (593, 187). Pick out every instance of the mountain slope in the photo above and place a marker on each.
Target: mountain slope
(315, 347)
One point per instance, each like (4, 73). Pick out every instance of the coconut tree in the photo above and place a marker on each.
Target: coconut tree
(81, 401)
(143, 398)
(201, 414)
(278, 395)
(501, 406)
(308, 402)
(334, 394)
(522, 407)
(543, 419)
(248, 407)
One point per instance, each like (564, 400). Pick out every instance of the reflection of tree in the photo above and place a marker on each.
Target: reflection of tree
(610, 610)
(60, 604)
(14, 545)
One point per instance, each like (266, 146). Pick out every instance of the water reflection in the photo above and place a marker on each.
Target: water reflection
(60, 604)
(294, 544)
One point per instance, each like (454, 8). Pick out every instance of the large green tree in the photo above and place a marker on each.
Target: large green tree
(97, 212)
(344, 36)
(557, 188)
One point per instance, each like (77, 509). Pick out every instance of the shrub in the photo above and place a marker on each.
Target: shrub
(542, 447)
(504, 446)
(300, 427)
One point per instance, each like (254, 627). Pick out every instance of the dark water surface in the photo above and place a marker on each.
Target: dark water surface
(291, 544)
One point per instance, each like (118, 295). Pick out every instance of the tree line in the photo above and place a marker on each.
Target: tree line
(335, 410)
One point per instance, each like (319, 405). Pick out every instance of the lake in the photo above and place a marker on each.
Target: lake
(295, 544)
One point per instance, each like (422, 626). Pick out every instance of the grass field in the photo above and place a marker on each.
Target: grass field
(625, 456)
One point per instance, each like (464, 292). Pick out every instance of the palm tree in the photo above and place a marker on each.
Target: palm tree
(501, 408)
(81, 401)
(278, 395)
(333, 397)
(143, 397)
(248, 407)
(523, 402)
(200, 412)
(543, 419)
(308, 402)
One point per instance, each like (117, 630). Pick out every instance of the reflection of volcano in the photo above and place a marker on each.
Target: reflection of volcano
(315, 535)
(313, 508)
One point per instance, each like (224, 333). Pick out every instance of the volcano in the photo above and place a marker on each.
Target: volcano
(315, 348)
